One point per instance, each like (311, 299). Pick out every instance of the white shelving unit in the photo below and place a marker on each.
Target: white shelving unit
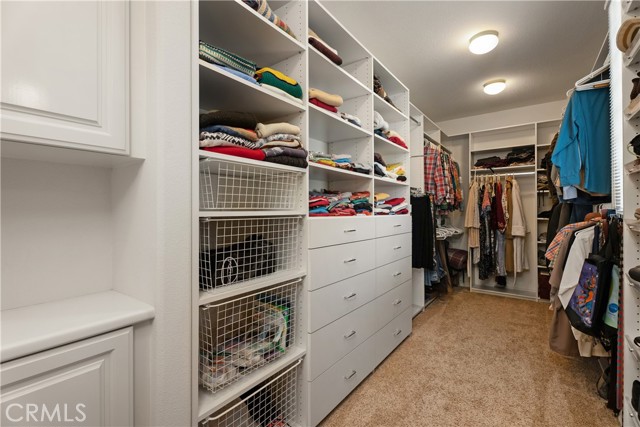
(237, 199)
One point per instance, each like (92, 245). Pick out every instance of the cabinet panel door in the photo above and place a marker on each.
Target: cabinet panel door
(88, 383)
(65, 73)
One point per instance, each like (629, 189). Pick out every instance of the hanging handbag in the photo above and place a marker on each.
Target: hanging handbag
(588, 302)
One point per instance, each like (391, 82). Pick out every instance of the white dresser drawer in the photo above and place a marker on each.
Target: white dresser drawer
(392, 225)
(334, 263)
(330, 388)
(334, 301)
(337, 339)
(389, 337)
(391, 275)
(394, 302)
(392, 248)
(336, 231)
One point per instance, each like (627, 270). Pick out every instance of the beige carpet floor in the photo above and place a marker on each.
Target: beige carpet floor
(477, 360)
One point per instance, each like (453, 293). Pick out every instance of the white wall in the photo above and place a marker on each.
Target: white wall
(516, 116)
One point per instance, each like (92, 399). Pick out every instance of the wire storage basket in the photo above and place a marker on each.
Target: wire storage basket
(272, 403)
(233, 251)
(240, 335)
(228, 185)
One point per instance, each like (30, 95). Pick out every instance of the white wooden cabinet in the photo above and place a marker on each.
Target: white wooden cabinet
(88, 383)
(65, 68)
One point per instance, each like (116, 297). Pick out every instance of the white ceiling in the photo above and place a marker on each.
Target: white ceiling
(545, 46)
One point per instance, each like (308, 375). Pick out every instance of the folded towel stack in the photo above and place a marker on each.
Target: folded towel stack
(279, 83)
(328, 203)
(238, 134)
(324, 48)
(325, 100)
(341, 161)
(262, 7)
(387, 205)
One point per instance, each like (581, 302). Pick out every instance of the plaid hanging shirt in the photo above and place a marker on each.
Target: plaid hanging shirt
(554, 247)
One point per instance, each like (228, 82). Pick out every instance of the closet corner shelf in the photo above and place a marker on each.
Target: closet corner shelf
(35, 328)
(389, 113)
(230, 291)
(388, 147)
(209, 155)
(632, 167)
(380, 180)
(268, 43)
(329, 172)
(634, 349)
(222, 90)
(330, 127)
(505, 169)
(208, 402)
(327, 76)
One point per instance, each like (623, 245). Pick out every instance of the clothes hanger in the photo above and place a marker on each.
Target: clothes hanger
(586, 82)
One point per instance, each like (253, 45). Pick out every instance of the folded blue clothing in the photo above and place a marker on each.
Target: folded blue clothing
(318, 210)
(239, 74)
(342, 161)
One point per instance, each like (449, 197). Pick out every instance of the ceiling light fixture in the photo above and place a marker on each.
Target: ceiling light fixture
(494, 87)
(483, 42)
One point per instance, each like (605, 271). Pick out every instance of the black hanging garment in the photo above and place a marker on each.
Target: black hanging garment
(422, 243)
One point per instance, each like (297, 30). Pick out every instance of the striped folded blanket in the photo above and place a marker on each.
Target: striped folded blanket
(219, 56)
(263, 8)
(218, 139)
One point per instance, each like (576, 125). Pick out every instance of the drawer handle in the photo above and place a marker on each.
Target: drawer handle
(397, 247)
(351, 375)
(351, 230)
(398, 301)
(350, 334)
(398, 332)
(397, 274)
(347, 261)
(350, 297)
(397, 225)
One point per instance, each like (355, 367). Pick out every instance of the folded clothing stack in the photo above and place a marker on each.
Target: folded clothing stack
(387, 205)
(381, 128)
(329, 203)
(341, 161)
(239, 134)
(394, 171)
(325, 100)
(277, 82)
(324, 48)
(543, 181)
(262, 7)
(351, 119)
(519, 156)
(379, 89)
(231, 62)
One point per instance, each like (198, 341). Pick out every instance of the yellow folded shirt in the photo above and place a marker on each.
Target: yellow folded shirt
(278, 74)
(380, 196)
(327, 98)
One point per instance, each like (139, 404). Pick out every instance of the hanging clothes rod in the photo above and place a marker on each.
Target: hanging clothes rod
(436, 143)
(414, 120)
(491, 172)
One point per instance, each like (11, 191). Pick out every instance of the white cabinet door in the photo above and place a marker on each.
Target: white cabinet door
(88, 383)
(65, 73)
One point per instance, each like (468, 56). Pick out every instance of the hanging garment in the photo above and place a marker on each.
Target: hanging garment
(519, 230)
(423, 236)
(472, 218)
(508, 257)
(580, 249)
(487, 239)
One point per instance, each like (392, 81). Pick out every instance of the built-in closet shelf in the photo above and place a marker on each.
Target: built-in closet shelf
(230, 291)
(39, 327)
(221, 90)
(543, 266)
(329, 127)
(327, 76)
(543, 219)
(386, 147)
(631, 167)
(505, 169)
(503, 150)
(391, 84)
(632, 412)
(511, 292)
(325, 172)
(208, 402)
(635, 285)
(209, 155)
(389, 181)
(633, 224)
(248, 214)
(540, 242)
(634, 349)
(388, 112)
(265, 44)
(541, 170)
(544, 145)
(542, 191)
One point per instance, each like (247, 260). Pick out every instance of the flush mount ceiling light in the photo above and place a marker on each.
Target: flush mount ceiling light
(483, 42)
(494, 87)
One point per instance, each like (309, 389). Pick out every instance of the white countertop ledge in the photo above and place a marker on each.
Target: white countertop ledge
(35, 328)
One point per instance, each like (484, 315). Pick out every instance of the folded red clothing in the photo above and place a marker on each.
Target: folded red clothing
(343, 212)
(395, 201)
(318, 203)
(247, 153)
(320, 214)
(397, 141)
(402, 212)
(321, 104)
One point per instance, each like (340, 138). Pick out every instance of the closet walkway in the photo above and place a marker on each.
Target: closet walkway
(477, 360)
